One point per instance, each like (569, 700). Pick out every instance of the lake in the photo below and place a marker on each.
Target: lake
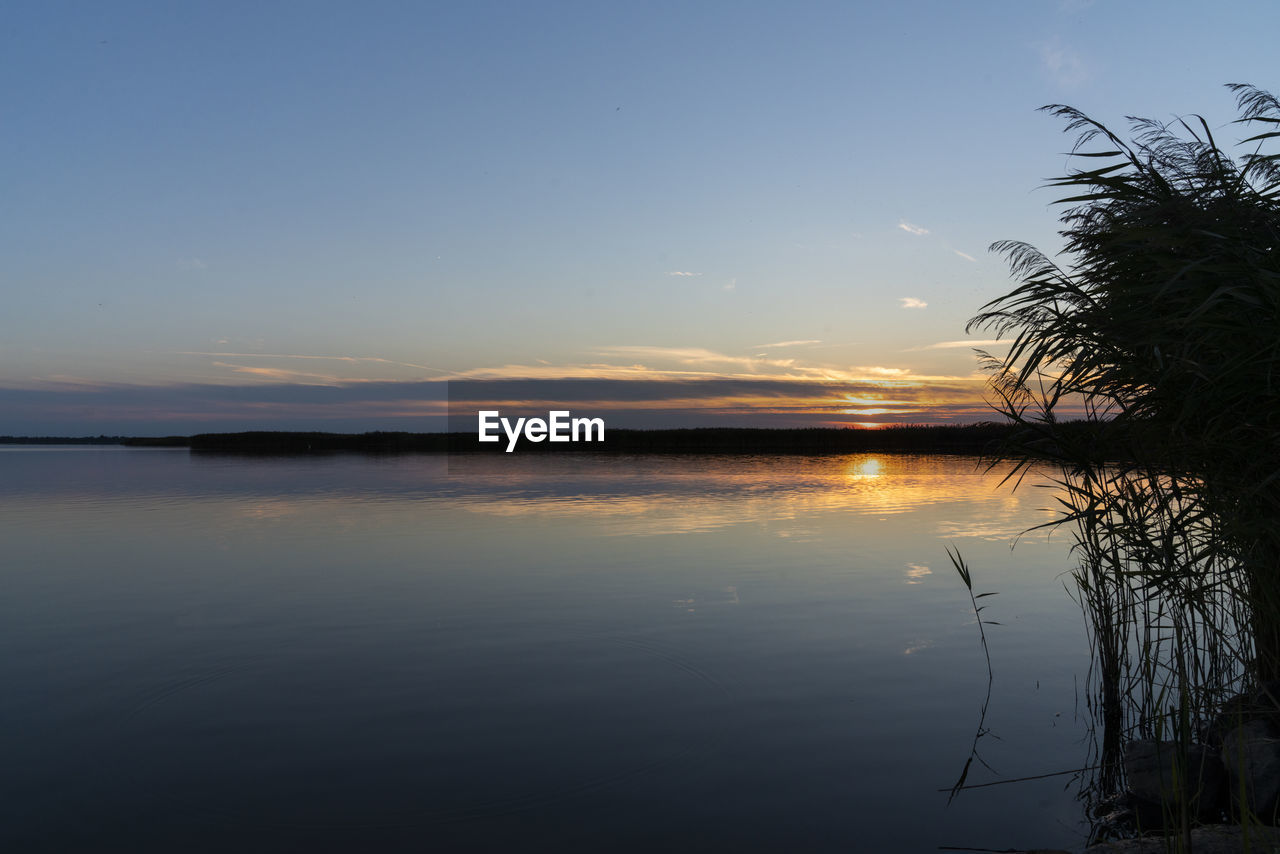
(562, 653)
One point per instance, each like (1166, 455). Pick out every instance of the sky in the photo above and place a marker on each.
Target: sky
(318, 215)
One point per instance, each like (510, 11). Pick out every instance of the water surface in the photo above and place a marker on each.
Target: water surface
(577, 653)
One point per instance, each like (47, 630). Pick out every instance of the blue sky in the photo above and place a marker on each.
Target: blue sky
(294, 197)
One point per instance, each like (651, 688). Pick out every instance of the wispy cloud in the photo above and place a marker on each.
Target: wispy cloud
(281, 375)
(966, 256)
(696, 364)
(348, 359)
(912, 229)
(786, 344)
(694, 357)
(912, 302)
(719, 394)
(949, 345)
(710, 400)
(1066, 67)
(731, 285)
(546, 371)
(682, 273)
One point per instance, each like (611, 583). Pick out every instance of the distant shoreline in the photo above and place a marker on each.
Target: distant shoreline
(938, 439)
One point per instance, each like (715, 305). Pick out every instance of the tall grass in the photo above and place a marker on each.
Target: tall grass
(1163, 326)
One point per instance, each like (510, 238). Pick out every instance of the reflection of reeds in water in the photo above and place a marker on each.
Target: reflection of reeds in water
(1167, 617)
(966, 576)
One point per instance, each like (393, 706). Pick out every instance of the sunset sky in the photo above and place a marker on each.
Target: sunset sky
(311, 215)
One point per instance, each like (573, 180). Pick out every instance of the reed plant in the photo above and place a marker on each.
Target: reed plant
(1146, 368)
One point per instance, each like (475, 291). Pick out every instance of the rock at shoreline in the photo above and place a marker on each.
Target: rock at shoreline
(1251, 752)
(1159, 776)
(1211, 839)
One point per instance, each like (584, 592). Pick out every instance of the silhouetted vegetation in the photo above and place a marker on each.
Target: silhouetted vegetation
(947, 439)
(63, 440)
(281, 442)
(1166, 327)
(157, 441)
(973, 439)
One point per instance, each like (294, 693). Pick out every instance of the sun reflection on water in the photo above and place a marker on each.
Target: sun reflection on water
(656, 496)
(867, 469)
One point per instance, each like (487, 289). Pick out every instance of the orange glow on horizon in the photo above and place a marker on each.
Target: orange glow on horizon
(878, 411)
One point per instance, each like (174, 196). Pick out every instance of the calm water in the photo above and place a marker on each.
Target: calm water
(555, 653)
